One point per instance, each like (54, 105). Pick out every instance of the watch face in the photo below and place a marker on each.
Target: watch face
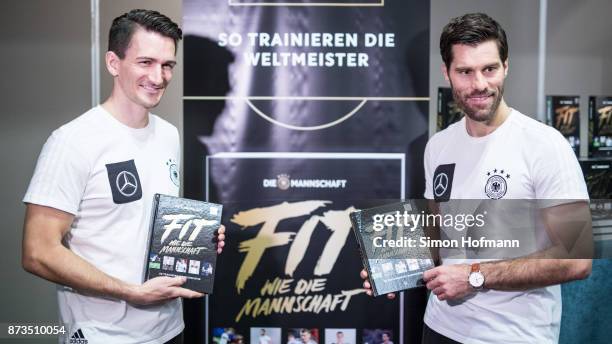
(476, 279)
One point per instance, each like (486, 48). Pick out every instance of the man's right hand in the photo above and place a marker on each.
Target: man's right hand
(368, 287)
(44, 255)
(159, 289)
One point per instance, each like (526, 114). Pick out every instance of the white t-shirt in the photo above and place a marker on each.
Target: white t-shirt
(265, 339)
(105, 174)
(531, 161)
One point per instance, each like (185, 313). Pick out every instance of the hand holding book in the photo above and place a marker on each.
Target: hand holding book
(398, 265)
(368, 287)
(185, 237)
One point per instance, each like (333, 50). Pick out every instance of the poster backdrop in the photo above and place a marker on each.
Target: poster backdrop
(295, 113)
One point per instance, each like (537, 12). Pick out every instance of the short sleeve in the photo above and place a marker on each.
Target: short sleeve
(557, 173)
(60, 176)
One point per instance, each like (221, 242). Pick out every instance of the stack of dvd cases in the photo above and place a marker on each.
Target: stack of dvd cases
(563, 113)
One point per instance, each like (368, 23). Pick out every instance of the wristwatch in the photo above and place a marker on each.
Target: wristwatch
(476, 278)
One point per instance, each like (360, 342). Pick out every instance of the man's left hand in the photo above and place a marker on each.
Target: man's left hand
(449, 282)
(220, 239)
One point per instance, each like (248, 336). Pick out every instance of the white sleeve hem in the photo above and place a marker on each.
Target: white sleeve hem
(50, 202)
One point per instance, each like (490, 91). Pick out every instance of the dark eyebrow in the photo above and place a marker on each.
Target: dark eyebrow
(170, 63)
(496, 65)
(463, 69)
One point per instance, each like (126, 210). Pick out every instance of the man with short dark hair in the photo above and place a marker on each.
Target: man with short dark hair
(386, 338)
(339, 338)
(90, 198)
(495, 152)
(306, 336)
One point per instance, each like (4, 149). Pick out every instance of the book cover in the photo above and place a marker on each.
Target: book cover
(182, 241)
(448, 111)
(600, 126)
(598, 176)
(563, 113)
(388, 243)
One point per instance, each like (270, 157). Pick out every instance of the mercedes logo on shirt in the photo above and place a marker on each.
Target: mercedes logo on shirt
(124, 181)
(440, 184)
(443, 182)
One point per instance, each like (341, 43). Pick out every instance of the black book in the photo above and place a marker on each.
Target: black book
(563, 113)
(598, 176)
(182, 241)
(390, 250)
(600, 126)
(448, 111)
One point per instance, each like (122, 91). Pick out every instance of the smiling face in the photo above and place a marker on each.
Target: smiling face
(476, 75)
(146, 70)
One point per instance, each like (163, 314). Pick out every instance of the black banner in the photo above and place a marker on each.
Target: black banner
(294, 112)
(293, 260)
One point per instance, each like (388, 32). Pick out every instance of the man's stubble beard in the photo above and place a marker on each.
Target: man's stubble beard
(473, 115)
